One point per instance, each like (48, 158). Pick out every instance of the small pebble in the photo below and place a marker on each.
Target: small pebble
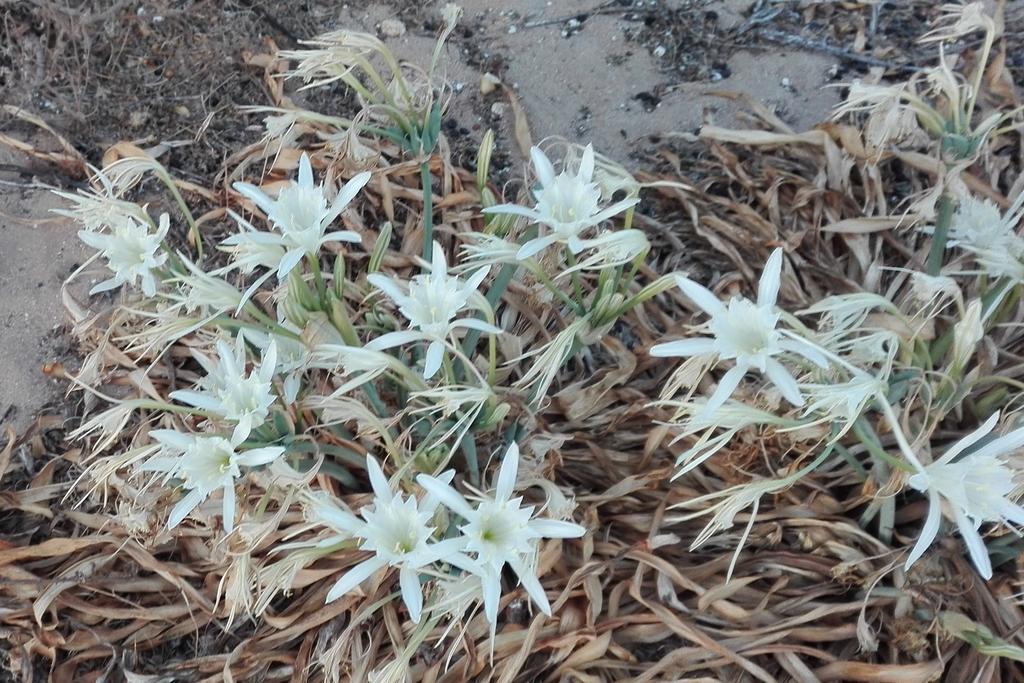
(660, 51)
(392, 28)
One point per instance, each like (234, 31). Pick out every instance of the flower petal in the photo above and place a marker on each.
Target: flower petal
(259, 456)
(388, 286)
(771, 278)
(586, 170)
(701, 296)
(684, 347)
(542, 166)
(412, 593)
(535, 246)
(433, 359)
(553, 528)
(183, 507)
(257, 195)
(305, 171)
(975, 544)
(506, 483)
(726, 386)
(448, 496)
(228, 508)
(379, 482)
(354, 577)
(783, 381)
(532, 585)
(969, 440)
(928, 532)
(393, 339)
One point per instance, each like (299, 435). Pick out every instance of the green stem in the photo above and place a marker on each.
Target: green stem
(577, 285)
(321, 287)
(428, 210)
(193, 228)
(943, 218)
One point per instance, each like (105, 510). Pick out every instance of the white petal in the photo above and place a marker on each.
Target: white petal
(438, 263)
(701, 296)
(288, 262)
(969, 440)
(975, 545)
(553, 528)
(514, 209)
(684, 348)
(535, 246)
(532, 585)
(491, 584)
(507, 473)
(183, 507)
(928, 532)
(305, 171)
(613, 210)
(354, 577)
(412, 594)
(379, 482)
(259, 456)
(476, 324)
(430, 502)
(771, 278)
(784, 381)
(172, 439)
(257, 195)
(433, 359)
(393, 339)
(351, 189)
(1001, 446)
(386, 285)
(726, 386)
(586, 171)
(802, 348)
(229, 508)
(542, 166)
(474, 280)
(448, 496)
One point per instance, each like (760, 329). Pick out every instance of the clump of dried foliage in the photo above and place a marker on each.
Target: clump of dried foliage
(801, 579)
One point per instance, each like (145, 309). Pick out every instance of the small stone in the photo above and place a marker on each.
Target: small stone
(498, 110)
(392, 28)
(489, 83)
(660, 51)
(137, 119)
(513, 29)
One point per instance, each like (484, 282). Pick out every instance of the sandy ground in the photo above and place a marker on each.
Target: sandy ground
(584, 81)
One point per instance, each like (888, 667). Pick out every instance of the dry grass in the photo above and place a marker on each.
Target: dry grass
(815, 595)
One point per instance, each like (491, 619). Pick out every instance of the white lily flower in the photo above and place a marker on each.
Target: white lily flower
(397, 530)
(97, 210)
(231, 393)
(744, 331)
(204, 464)
(132, 253)
(430, 303)
(568, 204)
(301, 216)
(975, 489)
(499, 531)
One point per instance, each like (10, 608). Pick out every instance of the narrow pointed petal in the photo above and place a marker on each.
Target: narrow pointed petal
(433, 359)
(290, 260)
(928, 532)
(183, 507)
(393, 339)
(975, 544)
(388, 286)
(700, 295)
(412, 593)
(476, 324)
(542, 166)
(613, 210)
(305, 171)
(473, 281)
(802, 348)
(229, 508)
(506, 483)
(340, 520)
(257, 195)
(783, 381)
(586, 171)
(535, 246)
(354, 577)
(196, 399)
(969, 440)
(448, 496)
(349, 191)
(438, 263)
(771, 278)
(684, 348)
(430, 502)
(726, 386)
(553, 528)
(379, 482)
(515, 210)
(259, 456)
(1002, 445)
(533, 587)
(491, 584)
(172, 439)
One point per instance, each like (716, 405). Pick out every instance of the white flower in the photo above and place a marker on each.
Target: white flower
(231, 393)
(979, 224)
(431, 304)
(744, 331)
(101, 209)
(397, 530)
(202, 291)
(975, 488)
(500, 531)
(131, 251)
(204, 464)
(568, 204)
(301, 216)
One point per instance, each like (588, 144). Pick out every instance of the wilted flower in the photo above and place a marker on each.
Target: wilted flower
(568, 204)
(101, 209)
(975, 488)
(131, 253)
(301, 216)
(500, 531)
(204, 464)
(431, 304)
(231, 393)
(397, 530)
(744, 331)
(202, 291)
